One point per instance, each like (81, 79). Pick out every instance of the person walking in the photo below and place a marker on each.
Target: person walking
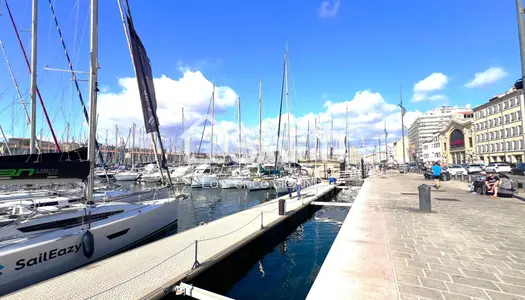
(436, 174)
(299, 185)
(289, 185)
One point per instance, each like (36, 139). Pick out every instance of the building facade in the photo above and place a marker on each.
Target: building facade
(456, 140)
(426, 126)
(397, 151)
(498, 126)
(432, 150)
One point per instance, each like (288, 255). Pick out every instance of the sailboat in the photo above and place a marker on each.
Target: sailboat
(35, 245)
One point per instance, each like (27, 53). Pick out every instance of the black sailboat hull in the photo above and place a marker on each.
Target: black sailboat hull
(45, 168)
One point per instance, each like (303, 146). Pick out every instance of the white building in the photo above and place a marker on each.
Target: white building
(432, 150)
(397, 151)
(425, 127)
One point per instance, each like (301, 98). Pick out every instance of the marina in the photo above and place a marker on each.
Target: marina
(153, 270)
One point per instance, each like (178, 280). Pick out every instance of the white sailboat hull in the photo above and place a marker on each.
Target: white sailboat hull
(126, 177)
(258, 184)
(60, 251)
(204, 181)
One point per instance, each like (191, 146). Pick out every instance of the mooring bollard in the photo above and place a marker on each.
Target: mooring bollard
(282, 210)
(462, 177)
(424, 198)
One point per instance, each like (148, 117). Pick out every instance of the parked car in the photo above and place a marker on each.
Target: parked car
(445, 175)
(403, 168)
(475, 168)
(456, 170)
(519, 169)
(498, 168)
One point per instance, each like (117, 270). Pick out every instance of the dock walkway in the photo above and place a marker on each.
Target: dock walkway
(147, 270)
(469, 247)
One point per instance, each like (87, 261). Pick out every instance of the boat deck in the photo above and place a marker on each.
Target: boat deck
(148, 270)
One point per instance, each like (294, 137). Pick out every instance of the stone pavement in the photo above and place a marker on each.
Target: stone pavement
(469, 247)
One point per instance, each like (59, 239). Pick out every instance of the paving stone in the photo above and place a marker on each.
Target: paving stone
(512, 280)
(481, 283)
(497, 257)
(437, 275)
(480, 274)
(491, 262)
(512, 289)
(511, 272)
(426, 258)
(516, 266)
(446, 269)
(501, 296)
(450, 296)
(408, 278)
(452, 263)
(466, 290)
(408, 297)
(518, 260)
(398, 254)
(417, 264)
(420, 291)
(410, 270)
(482, 268)
(433, 284)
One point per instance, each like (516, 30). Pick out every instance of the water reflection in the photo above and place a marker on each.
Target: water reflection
(293, 265)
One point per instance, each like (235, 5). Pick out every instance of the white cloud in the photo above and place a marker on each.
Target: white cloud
(329, 10)
(489, 76)
(434, 82)
(192, 91)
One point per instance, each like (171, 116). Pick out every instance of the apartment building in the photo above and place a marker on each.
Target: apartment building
(432, 150)
(498, 126)
(426, 126)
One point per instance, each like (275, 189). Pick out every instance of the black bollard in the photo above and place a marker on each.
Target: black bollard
(282, 209)
(424, 198)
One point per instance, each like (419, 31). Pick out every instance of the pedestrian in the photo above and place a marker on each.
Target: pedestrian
(289, 185)
(436, 174)
(299, 185)
(329, 173)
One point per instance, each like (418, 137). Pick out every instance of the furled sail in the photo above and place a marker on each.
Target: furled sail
(45, 168)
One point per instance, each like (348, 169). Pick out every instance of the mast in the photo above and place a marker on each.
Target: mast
(240, 133)
(295, 148)
(346, 134)
(154, 144)
(15, 83)
(308, 142)
(213, 120)
(280, 115)
(92, 96)
(182, 123)
(133, 147)
(332, 136)
(5, 141)
(287, 101)
(260, 119)
(34, 27)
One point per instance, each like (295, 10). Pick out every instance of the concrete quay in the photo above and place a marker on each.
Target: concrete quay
(153, 270)
(469, 247)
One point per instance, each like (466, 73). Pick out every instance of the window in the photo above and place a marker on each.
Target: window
(512, 102)
(492, 135)
(509, 145)
(513, 130)
(515, 145)
(507, 132)
(490, 123)
(67, 222)
(500, 121)
(470, 142)
(499, 106)
(507, 118)
(511, 117)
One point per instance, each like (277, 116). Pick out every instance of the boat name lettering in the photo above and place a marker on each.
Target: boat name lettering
(15, 172)
(45, 256)
(47, 171)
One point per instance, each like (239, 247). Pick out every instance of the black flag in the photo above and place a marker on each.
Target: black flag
(145, 80)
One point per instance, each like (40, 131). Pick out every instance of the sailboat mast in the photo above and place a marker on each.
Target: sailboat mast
(346, 134)
(182, 123)
(287, 100)
(34, 27)
(133, 147)
(213, 120)
(260, 119)
(92, 96)
(240, 133)
(308, 142)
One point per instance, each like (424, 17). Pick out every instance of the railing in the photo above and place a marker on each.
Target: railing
(257, 220)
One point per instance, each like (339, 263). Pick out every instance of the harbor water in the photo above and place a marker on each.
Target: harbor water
(288, 270)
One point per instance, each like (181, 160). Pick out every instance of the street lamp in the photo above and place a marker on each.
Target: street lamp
(403, 111)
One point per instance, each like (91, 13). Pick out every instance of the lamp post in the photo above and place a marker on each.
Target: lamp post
(403, 111)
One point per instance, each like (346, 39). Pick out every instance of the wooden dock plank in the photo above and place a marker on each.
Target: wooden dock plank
(144, 270)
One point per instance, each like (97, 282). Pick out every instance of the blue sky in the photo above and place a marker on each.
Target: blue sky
(353, 46)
